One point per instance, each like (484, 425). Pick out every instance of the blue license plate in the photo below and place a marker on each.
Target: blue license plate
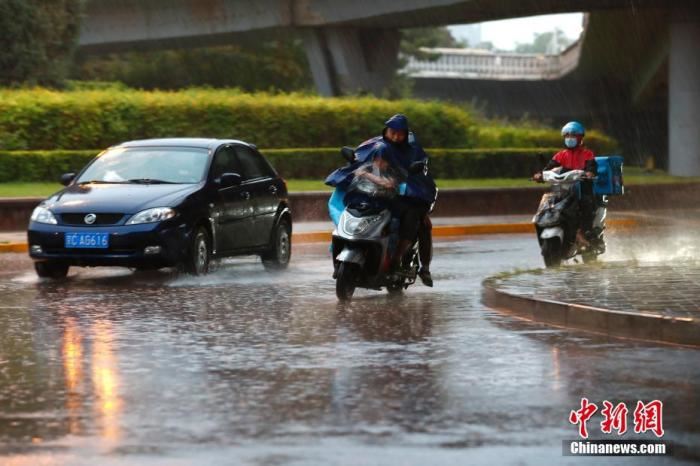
(87, 240)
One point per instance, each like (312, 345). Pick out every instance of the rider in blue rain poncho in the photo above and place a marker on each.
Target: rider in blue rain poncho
(416, 194)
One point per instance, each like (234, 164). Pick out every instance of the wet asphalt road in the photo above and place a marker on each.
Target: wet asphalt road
(245, 367)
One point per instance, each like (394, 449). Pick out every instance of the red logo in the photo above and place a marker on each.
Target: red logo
(582, 416)
(647, 417)
(614, 418)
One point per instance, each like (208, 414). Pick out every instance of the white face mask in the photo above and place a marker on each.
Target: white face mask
(570, 142)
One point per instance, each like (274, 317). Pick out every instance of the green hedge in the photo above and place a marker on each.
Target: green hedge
(41, 165)
(488, 163)
(444, 163)
(44, 119)
(298, 163)
(488, 136)
(40, 119)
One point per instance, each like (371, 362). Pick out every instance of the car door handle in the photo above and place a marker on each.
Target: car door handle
(245, 195)
(272, 189)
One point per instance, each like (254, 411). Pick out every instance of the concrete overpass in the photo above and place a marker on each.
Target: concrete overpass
(632, 51)
(622, 81)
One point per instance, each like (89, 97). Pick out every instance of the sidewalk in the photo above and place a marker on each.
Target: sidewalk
(647, 301)
(309, 232)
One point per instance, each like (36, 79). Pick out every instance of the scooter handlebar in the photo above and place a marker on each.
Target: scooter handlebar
(552, 176)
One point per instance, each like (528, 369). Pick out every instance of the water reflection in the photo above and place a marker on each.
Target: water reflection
(105, 378)
(73, 369)
(58, 376)
(585, 364)
(365, 367)
(556, 369)
(243, 357)
(395, 380)
(391, 318)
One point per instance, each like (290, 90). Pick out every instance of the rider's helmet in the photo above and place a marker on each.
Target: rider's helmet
(398, 122)
(573, 133)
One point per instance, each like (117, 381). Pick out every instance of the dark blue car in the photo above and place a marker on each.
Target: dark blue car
(161, 203)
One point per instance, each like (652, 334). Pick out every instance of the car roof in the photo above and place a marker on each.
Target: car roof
(204, 143)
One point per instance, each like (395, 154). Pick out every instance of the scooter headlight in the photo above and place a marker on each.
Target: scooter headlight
(354, 225)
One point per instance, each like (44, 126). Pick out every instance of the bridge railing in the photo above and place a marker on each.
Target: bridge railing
(476, 64)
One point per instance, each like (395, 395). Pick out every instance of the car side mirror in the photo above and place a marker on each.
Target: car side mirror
(230, 179)
(418, 167)
(66, 178)
(348, 153)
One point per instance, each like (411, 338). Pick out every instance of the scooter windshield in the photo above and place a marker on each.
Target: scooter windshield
(375, 179)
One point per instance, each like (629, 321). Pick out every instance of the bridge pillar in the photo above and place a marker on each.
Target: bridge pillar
(352, 60)
(684, 93)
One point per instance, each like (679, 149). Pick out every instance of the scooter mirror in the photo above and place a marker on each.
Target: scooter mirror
(418, 167)
(348, 153)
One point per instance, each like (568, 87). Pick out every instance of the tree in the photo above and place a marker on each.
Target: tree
(545, 42)
(486, 45)
(412, 40)
(269, 65)
(37, 40)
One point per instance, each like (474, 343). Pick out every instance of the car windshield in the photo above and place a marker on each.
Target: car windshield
(148, 165)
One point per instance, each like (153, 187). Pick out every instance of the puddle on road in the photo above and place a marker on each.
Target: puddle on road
(116, 366)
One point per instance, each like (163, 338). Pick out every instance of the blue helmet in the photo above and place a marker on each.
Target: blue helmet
(398, 122)
(573, 127)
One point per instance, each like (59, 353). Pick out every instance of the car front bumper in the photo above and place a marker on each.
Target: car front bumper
(127, 245)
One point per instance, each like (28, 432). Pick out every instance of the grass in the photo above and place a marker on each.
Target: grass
(28, 189)
(636, 175)
(633, 176)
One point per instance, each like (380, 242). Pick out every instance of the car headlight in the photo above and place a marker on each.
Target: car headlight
(43, 215)
(156, 214)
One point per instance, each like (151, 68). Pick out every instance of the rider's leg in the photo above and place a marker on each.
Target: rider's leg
(425, 249)
(401, 250)
(425, 242)
(587, 206)
(408, 229)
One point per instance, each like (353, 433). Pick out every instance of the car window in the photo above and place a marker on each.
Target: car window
(168, 164)
(253, 164)
(225, 161)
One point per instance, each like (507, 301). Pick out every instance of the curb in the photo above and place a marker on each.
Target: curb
(618, 324)
(13, 247)
(438, 231)
(467, 230)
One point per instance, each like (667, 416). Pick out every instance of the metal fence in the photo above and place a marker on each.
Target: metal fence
(474, 64)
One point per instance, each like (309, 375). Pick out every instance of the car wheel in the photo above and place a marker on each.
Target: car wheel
(51, 269)
(197, 262)
(280, 252)
(144, 269)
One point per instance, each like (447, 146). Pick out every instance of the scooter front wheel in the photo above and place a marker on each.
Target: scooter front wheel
(552, 252)
(345, 282)
(395, 288)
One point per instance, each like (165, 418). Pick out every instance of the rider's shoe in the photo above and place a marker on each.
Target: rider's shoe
(425, 277)
(581, 239)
